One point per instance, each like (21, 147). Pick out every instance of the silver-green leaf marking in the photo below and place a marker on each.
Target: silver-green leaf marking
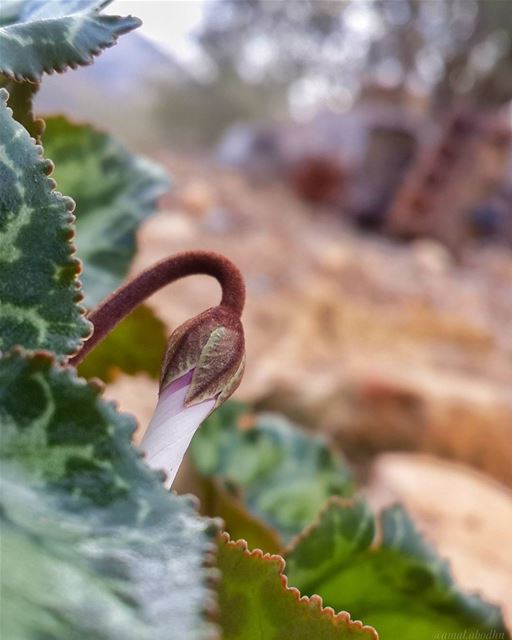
(39, 290)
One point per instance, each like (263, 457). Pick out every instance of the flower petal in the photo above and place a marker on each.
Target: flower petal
(172, 426)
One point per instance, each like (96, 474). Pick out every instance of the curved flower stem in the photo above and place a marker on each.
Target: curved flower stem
(128, 297)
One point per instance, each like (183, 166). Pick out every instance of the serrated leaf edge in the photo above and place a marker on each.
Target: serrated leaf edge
(68, 228)
(441, 560)
(315, 602)
(92, 53)
(339, 501)
(377, 541)
(48, 360)
(211, 608)
(220, 486)
(38, 123)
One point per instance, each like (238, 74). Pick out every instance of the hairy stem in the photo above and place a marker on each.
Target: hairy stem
(129, 296)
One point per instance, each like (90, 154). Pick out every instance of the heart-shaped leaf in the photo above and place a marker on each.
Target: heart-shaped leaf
(42, 36)
(281, 473)
(94, 546)
(398, 584)
(39, 290)
(114, 192)
(256, 602)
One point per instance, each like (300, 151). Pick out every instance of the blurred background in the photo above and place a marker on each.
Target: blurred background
(354, 159)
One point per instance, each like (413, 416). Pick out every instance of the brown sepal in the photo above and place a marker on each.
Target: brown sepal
(213, 345)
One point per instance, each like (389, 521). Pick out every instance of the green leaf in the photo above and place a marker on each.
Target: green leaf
(399, 585)
(114, 192)
(42, 36)
(136, 345)
(282, 474)
(94, 546)
(39, 290)
(256, 603)
(217, 500)
(21, 96)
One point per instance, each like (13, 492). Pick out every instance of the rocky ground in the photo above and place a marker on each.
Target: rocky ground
(384, 347)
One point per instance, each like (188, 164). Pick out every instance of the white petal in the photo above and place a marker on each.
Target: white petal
(171, 429)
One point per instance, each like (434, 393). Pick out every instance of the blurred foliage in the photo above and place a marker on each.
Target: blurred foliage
(261, 468)
(399, 585)
(282, 474)
(114, 192)
(194, 113)
(455, 42)
(135, 345)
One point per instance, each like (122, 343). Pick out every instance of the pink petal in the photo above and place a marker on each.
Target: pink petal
(172, 426)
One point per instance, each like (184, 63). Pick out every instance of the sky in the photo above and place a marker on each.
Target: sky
(170, 23)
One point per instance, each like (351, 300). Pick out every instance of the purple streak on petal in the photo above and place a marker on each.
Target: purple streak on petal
(179, 383)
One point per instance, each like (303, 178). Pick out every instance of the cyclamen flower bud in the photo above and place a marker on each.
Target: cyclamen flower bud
(202, 367)
(204, 360)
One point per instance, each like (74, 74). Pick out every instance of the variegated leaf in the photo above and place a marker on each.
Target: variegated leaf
(21, 95)
(42, 36)
(92, 544)
(39, 290)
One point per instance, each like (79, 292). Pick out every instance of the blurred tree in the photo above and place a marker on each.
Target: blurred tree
(196, 112)
(263, 56)
(246, 75)
(452, 47)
